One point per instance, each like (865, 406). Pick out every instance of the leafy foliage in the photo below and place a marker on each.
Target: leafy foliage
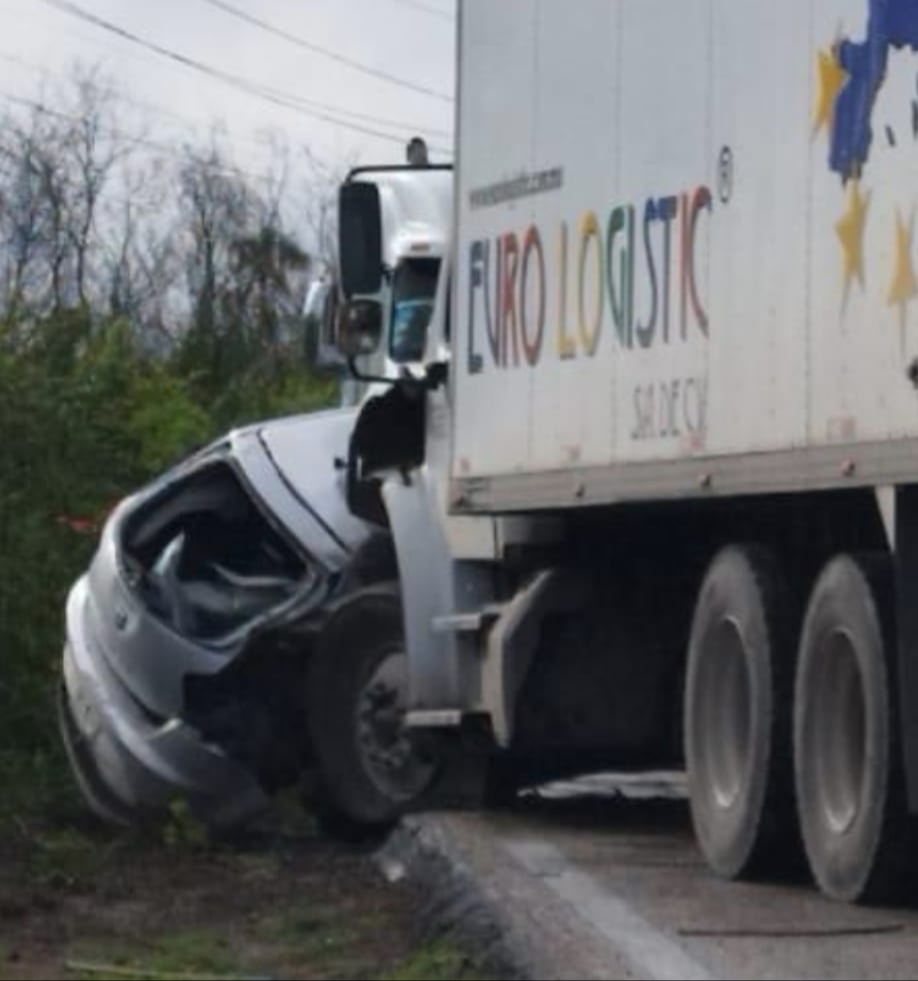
(147, 305)
(85, 417)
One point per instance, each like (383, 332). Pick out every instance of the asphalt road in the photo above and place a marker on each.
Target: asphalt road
(601, 879)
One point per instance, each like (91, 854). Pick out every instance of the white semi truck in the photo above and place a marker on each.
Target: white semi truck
(662, 504)
(219, 590)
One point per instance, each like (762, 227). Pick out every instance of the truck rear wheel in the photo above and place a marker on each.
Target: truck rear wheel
(370, 769)
(849, 781)
(738, 714)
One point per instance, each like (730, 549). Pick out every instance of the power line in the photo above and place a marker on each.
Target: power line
(341, 111)
(426, 8)
(144, 141)
(409, 128)
(327, 52)
(190, 124)
(122, 97)
(254, 89)
(115, 198)
(278, 97)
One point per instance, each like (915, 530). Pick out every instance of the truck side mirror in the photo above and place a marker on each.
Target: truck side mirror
(360, 234)
(360, 328)
(320, 325)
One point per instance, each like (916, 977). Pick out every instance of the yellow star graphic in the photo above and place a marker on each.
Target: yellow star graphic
(904, 285)
(850, 231)
(831, 80)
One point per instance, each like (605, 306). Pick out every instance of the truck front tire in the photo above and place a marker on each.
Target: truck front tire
(369, 768)
(738, 714)
(849, 780)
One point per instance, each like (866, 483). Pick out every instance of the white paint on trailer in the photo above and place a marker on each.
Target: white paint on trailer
(790, 296)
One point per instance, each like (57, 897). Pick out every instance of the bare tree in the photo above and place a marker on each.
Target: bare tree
(264, 264)
(56, 163)
(22, 209)
(320, 214)
(92, 148)
(140, 265)
(88, 220)
(217, 209)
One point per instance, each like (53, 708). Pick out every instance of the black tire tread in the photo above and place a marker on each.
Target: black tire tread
(775, 837)
(343, 795)
(894, 862)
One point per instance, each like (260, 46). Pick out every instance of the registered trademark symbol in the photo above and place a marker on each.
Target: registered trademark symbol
(725, 175)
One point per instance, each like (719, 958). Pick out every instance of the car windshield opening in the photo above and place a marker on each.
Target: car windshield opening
(206, 560)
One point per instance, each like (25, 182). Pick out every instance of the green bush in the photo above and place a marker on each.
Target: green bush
(85, 417)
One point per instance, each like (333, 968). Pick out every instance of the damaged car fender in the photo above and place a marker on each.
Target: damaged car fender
(183, 658)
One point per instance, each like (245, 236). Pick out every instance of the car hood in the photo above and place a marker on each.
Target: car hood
(308, 453)
(175, 590)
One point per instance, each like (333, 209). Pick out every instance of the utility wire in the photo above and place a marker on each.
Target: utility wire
(426, 8)
(327, 52)
(186, 121)
(409, 128)
(247, 86)
(144, 141)
(276, 96)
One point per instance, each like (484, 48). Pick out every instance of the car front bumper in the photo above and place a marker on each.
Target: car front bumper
(131, 765)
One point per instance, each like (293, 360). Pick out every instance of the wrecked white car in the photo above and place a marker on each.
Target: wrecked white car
(189, 638)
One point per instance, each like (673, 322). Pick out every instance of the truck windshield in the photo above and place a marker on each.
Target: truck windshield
(414, 290)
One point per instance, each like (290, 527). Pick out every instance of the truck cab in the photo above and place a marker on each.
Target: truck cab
(381, 314)
(198, 680)
(409, 230)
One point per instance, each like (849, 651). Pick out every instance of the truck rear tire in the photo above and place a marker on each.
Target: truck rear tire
(850, 787)
(738, 714)
(369, 769)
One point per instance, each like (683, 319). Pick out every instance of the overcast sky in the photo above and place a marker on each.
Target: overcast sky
(411, 39)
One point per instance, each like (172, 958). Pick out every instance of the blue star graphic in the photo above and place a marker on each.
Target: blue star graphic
(891, 24)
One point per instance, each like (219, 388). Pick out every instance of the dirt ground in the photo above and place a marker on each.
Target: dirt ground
(77, 901)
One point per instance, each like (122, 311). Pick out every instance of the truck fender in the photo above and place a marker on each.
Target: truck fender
(445, 666)
(514, 640)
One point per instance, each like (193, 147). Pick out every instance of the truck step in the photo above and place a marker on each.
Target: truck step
(434, 719)
(468, 623)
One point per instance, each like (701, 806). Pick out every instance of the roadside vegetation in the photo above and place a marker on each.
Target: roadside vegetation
(149, 301)
(77, 901)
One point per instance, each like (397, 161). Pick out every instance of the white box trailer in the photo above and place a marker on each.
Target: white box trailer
(686, 248)
(665, 509)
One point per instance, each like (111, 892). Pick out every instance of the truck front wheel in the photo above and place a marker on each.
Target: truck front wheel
(849, 780)
(738, 713)
(370, 769)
